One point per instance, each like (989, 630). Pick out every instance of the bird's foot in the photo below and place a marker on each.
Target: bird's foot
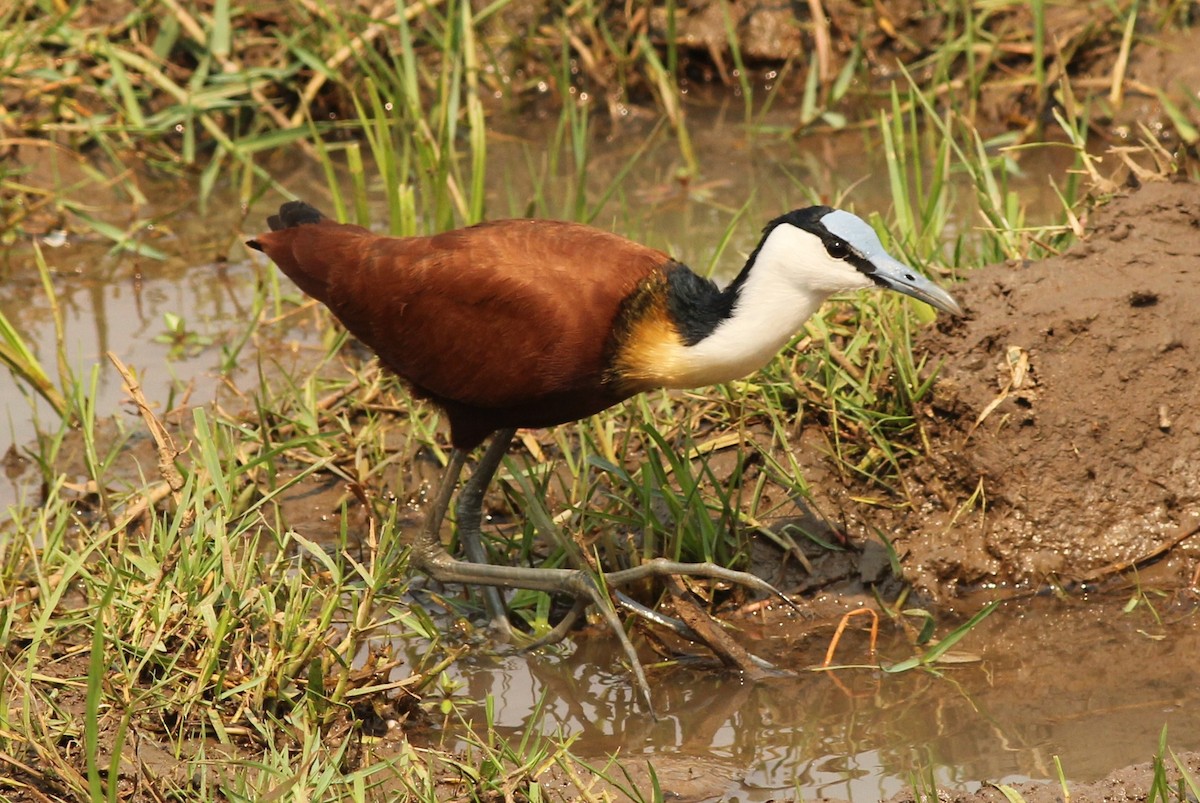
(444, 568)
(663, 568)
(586, 590)
(754, 666)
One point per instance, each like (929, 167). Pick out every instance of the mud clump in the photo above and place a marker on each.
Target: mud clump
(1065, 425)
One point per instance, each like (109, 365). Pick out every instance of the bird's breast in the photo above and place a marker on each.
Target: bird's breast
(651, 348)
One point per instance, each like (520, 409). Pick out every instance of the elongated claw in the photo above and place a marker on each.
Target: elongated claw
(578, 584)
(678, 626)
(661, 567)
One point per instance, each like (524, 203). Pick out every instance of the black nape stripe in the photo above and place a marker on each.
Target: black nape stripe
(696, 305)
(808, 218)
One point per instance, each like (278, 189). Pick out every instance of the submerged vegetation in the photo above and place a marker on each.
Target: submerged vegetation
(167, 630)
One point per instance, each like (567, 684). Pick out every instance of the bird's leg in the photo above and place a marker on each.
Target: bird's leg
(439, 565)
(429, 548)
(469, 519)
(429, 551)
(431, 557)
(677, 626)
(661, 567)
(563, 628)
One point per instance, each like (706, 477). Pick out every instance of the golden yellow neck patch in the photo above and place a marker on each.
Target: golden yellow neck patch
(648, 351)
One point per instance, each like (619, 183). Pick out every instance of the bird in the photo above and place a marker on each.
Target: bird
(529, 323)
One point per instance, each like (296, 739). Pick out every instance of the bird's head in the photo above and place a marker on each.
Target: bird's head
(824, 251)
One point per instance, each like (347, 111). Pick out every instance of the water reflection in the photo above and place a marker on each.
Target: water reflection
(1077, 680)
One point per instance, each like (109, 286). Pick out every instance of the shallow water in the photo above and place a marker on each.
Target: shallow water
(1039, 678)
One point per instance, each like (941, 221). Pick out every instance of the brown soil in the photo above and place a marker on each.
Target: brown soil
(1068, 395)
(1065, 424)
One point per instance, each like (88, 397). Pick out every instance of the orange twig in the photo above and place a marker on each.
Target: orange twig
(837, 635)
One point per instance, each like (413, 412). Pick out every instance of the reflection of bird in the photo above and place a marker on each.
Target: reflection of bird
(531, 323)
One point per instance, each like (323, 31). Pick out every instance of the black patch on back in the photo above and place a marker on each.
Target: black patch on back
(695, 304)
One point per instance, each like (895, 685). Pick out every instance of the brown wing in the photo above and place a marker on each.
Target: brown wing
(499, 315)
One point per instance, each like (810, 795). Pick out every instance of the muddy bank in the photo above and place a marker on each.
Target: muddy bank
(1064, 428)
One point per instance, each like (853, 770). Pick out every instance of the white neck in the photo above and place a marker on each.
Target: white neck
(777, 297)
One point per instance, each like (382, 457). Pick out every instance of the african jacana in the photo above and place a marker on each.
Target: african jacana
(532, 323)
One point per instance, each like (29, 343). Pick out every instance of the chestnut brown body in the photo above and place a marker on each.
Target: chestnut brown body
(505, 324)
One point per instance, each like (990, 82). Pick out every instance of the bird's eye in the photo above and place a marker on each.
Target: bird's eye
(837, 249)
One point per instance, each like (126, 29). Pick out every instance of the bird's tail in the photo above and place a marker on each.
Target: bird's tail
(306, 245)
(291, 215)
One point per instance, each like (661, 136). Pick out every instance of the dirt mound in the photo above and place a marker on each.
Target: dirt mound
(1066, 422)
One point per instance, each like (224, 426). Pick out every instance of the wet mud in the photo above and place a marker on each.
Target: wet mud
(1065, 425)
(1060, 440)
